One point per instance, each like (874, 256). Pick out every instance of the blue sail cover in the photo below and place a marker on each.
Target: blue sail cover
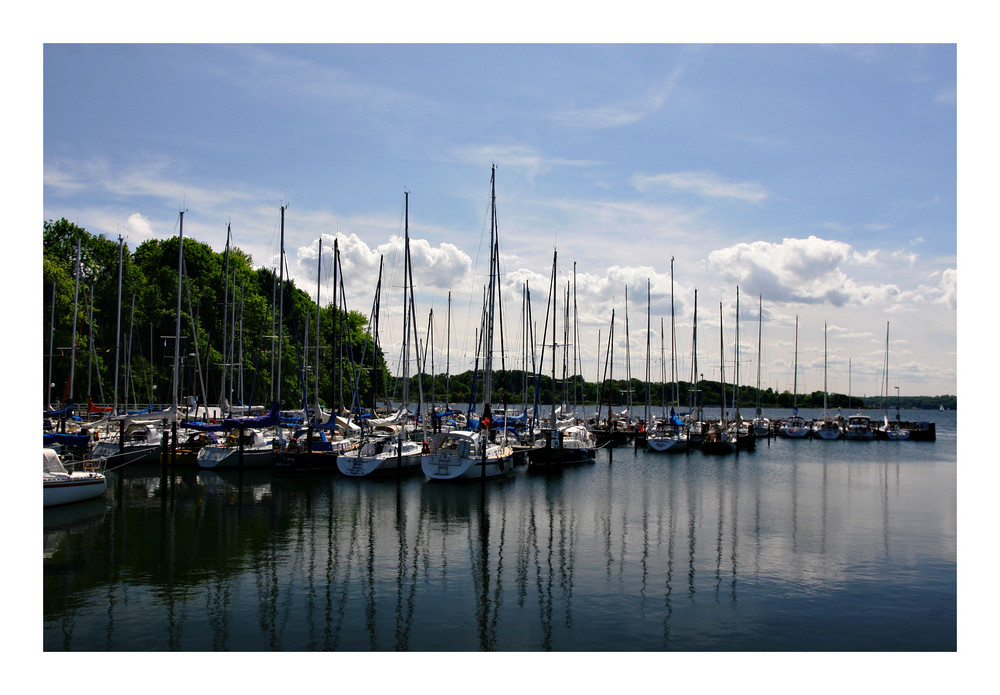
(68, 410)
(74, 440)
(676, 420)
(232, 423)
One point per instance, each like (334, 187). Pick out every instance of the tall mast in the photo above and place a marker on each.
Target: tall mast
(319, 275)
(177, 333)
(824, 371)
(488, 362)
(722, 370)
(673, 339)
(406, 303)
(649, 301)
(76, 299)
(118, 330)
(795, 374)
(52, 337)
(225, 317)
(760, 333)
(281, 301)
(736, 368)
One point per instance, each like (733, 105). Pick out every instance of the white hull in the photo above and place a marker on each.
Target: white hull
(355, 465)
(794, 432)
(828, 433)
(75, 487)
(106, 449)
(228, 457)
(672, 444)
(452, 467)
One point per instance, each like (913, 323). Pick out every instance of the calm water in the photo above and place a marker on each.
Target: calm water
(801, 545)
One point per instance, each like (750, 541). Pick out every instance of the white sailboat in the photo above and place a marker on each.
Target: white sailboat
(826, 428)
(62, 487)
(390, 451)
(761, 424)
(474, 455)
(891, 430)
(795, 427)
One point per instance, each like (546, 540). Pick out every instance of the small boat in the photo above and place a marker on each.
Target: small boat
(827, 429)
(141, 442)
(718, 440)
(461, 456)
(385, 454)
(187, 451)
(795, 427)
(859, 428)
(63, 487)
(561, 447)
(258, 452)
(312, 450)
(667, 435)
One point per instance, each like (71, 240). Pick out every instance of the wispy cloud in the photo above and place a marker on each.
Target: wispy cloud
(702, 183)
(620, 113)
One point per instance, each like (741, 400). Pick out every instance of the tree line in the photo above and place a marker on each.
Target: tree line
(229, 344)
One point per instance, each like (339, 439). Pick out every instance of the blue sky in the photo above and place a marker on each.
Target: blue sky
(822, 177)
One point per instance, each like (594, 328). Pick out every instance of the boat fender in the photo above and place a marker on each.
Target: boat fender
(96, 436)
(426, 448)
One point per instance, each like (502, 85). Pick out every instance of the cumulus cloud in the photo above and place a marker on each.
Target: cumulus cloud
(808, 270)
(702, 183)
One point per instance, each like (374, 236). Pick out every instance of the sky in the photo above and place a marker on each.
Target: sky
(817, 179)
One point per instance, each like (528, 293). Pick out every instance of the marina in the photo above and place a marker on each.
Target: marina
(797, 545)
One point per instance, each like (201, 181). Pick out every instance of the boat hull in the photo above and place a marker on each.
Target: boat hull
(664, 444)
(76, 487)
(228, 458)
(450, 466)
(389, 462)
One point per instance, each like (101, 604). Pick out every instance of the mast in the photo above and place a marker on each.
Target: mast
(760, 333)
(76, 299)
(673, 339)
(825, 416)
(722, 370)
(447, 358)
(225, 318)
(52, 337)
(649, 301)
(696, 406)
(406, 303)
(118, 329)
(736, 368)
(319, 275)
(281, 302)
(488, 361)
(177, 333)
(795, 373)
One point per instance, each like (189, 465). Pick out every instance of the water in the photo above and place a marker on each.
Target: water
(800, 545)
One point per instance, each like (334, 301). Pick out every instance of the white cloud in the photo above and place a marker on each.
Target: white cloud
(702, 183)
(623, 112)
(800, 270)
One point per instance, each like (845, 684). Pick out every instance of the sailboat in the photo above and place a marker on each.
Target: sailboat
(670, 433)
(761, 424)
(795, 427)
(826, 428)
(891, 430)
(561, 443)
(471, 455)
(718, 439)
(392, 453)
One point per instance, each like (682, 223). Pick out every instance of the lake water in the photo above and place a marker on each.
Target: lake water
(797, 546)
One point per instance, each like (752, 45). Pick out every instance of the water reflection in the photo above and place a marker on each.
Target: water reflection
(638, 553)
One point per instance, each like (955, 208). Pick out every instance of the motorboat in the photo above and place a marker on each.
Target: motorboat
(859, 428)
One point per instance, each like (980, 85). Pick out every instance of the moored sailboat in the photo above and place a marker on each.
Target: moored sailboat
(472, 455)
